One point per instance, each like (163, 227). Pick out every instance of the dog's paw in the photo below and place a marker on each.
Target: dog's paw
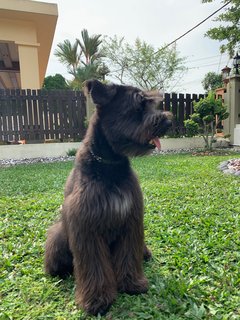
(97, 309)
(134, 287)
(147, 254)
(96, 305)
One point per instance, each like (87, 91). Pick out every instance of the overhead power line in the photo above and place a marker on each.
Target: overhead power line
(205, 65)
(207, 58)
(197, 25)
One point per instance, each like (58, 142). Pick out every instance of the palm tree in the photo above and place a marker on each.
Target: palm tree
(82, 69)
(90, 47)
(84, 73)
(69, 55)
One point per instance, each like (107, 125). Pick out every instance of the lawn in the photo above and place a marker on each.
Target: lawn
(192, 225)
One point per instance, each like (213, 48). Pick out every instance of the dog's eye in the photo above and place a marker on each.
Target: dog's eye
(139, 97)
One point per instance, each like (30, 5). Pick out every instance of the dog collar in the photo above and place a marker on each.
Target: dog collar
(105, 161)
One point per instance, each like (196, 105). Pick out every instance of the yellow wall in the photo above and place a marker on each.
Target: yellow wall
(31, 26)
(17, 30)
(28, 58)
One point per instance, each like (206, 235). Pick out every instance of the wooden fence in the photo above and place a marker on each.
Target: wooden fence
(40, 115)
(181, 105)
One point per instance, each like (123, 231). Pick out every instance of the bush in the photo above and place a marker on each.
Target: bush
(191, 128)
(209, 112)
(72, 152)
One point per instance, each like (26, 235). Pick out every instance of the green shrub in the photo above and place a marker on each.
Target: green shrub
(209, 112)
(191, 128)
(72, 152)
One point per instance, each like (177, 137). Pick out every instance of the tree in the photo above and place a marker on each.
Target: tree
(230, 30)
(89, 71)
(92, 66)
(69, 54)
(209, 112)
(212, 81)
(55, 82)
(141, 64)
(83, 58)
(90, 47)
(116, 57)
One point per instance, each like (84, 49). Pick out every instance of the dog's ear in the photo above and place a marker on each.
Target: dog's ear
(101, 93)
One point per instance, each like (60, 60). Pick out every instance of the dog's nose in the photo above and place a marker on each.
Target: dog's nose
(168, 123)
(168, 119)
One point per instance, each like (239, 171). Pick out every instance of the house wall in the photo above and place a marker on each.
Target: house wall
(31, 26)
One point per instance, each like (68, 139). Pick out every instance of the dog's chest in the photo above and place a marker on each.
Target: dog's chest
(110, 201)
(120, 203)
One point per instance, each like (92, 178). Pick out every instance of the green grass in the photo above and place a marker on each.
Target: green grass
(192, 226)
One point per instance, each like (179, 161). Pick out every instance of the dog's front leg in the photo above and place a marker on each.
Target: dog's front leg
(96, 286)
(127, 259)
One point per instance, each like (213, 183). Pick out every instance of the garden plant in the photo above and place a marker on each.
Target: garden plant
(209, 113)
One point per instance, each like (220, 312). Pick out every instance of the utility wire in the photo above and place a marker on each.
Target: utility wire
(203, 66)
(197, 25)
(207, 58)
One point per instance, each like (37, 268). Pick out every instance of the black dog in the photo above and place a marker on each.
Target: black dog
(100, 234)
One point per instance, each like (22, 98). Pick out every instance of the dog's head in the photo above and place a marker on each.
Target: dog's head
(128, 117)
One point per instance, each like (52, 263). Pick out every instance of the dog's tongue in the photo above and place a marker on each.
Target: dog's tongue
(157, 143)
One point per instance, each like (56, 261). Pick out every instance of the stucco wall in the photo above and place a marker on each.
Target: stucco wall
(31, 26)
(60, 149)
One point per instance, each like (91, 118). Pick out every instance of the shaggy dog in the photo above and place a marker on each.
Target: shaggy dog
(100, 234)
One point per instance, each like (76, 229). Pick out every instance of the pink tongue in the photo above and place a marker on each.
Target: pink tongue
(157, 143)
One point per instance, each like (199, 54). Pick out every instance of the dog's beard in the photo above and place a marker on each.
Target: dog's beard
(133, 148)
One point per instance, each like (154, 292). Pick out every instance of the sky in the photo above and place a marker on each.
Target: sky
(157, 22)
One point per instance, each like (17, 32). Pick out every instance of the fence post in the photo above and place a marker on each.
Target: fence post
(90, 106)
(232, 100)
